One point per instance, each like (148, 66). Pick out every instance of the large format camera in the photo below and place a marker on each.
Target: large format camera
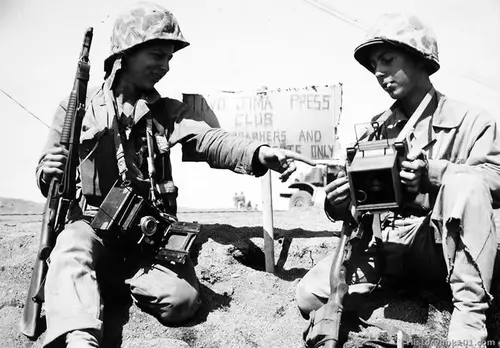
(140, 222)
(373, 170)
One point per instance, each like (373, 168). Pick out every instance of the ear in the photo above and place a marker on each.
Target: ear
(125, 58)
(421, 64)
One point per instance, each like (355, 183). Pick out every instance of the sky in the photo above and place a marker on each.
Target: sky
(235, 45)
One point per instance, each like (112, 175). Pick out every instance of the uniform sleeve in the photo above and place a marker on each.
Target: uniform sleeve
(483, 147)
(53, 138)
(215, 146)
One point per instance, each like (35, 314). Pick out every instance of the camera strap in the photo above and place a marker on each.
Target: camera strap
(410, 124)
(376, 226)
(156, 199)
(118, 133)
(416, 116)
(413, 119)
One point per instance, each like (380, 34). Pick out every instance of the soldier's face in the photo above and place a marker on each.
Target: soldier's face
(148, 64)
(396, 71)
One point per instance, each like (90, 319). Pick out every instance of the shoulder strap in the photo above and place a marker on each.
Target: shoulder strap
(371, 133)
(113, 120)
(416, 116)
(156, 199)
(412, 120)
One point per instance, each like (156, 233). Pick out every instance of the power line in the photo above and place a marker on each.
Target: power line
(481, 82)
(22, 106)
(326, 8)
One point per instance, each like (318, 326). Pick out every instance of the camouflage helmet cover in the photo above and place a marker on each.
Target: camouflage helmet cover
(143, 22)
(404, 31)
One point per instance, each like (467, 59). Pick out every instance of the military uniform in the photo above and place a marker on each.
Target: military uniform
(447, 233)
(83, 258)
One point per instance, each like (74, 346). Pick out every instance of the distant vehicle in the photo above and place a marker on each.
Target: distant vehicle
(306, 190)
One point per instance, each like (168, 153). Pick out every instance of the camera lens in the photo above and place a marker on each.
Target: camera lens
(148, 225)
(375, 184)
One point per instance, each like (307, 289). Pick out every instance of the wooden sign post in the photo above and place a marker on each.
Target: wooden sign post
(267, 223)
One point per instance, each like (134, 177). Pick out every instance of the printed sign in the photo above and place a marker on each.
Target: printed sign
(303, 120)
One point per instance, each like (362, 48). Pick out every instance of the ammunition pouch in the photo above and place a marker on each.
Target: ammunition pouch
(130, 217)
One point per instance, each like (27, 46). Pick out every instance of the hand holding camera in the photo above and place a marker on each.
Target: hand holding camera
(338, 191)
(412, 170)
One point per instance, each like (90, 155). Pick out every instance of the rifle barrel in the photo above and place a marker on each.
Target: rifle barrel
(60, 194)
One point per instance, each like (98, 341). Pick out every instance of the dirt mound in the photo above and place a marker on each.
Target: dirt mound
(243, 306)
(19, 206)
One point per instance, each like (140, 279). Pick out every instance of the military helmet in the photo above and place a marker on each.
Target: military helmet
(403, 31)
(144, 22)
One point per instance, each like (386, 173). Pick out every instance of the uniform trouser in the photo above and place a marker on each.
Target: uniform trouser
(80, 260)
(456, 244)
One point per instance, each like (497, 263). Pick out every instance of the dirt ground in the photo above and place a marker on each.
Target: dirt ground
(243, 306)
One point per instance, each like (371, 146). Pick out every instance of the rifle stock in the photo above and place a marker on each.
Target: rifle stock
(338, 284)
(61, 193)
(324, 326)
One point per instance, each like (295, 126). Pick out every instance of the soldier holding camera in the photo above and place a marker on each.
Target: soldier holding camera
(127, 132)
(444, 232)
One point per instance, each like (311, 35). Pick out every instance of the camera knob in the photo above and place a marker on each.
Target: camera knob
(361, 196)
(149, 225)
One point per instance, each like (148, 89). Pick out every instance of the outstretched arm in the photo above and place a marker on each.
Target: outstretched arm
(221, 149)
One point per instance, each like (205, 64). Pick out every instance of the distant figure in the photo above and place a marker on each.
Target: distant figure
(240, 201)
(235, 200)
(248, 205)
